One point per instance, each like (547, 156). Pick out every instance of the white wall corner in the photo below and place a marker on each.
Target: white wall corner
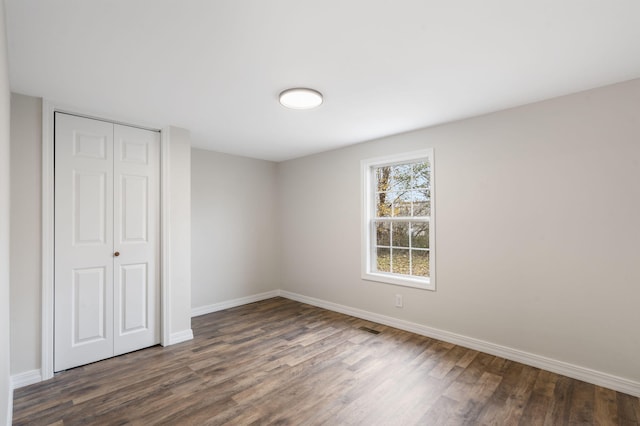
(180, 336)
(215, 307)
(25, 379)
(46, 365)
(178, 245)
(588, 375)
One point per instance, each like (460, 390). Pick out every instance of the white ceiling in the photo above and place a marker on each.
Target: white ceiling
(216, 67)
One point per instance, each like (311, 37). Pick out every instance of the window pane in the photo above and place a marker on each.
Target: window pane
(400, 178)
(400, 262)
(383, 175)
(400, 234)
(420, 234)
(383, 204)
(402, 204)
(420, 263)
(383, 233)
(383, 260)
(421, 175)
(421, 203)
(401, 209)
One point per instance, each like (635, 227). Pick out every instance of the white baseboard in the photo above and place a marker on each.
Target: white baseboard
(203, 310)
(25, 379)
(181, 336)
(588, 375)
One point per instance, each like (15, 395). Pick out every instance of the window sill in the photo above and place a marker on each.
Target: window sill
(396, 280)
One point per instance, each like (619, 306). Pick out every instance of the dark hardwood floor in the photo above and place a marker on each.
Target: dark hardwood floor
(283, 362)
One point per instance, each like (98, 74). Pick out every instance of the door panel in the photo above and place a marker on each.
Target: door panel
(89, 305)
(89, 145)
(134, 151)
(107, 194)
(135, 211)
(89, 208)
(83, 241)
(133, 297)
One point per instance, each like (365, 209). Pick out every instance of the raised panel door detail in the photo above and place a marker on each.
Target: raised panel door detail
(134, 152)
(106, 201)
(89, 300)
(89, 207)
(89, 145)
(135, 208)
(133, 297)
(83, 241)
(136, 160)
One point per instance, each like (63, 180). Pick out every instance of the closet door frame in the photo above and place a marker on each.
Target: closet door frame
(48, 121)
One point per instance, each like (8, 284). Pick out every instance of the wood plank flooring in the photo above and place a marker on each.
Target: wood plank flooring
(282, 362)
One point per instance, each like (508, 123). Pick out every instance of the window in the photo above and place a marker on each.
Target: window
(397, 220)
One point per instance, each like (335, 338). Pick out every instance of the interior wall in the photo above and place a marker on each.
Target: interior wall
(6, 400)
(537, 229)
(26, 231)
(234, 227)
(180, 233)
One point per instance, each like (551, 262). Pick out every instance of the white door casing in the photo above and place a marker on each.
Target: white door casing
(106, 200)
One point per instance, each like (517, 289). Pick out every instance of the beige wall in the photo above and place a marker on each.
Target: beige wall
(537, 229)
(26, 214)
(6, 402)
(180, 233)
(234, 234)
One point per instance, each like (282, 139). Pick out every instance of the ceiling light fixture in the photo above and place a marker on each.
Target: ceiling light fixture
(300, 98)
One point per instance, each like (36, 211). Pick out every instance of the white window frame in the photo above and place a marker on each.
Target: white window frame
(368, 215)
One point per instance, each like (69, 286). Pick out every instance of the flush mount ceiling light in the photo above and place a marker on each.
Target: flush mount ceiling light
(300, 98)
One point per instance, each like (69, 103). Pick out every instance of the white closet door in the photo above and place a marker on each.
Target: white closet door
(106, 240)
(136, 235)
(83, 241)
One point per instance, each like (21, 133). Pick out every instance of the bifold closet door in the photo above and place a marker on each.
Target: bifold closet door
(136, 230)
(106, 240)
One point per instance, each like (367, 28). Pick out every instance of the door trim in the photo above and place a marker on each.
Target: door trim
(48, 110)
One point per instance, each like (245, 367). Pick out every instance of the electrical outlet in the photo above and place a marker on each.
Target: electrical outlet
(398, 301)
